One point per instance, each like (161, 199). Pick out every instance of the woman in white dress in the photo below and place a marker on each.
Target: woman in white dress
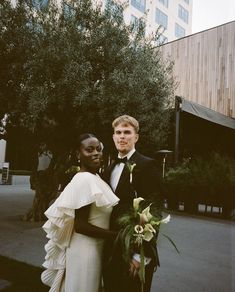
(78, 223)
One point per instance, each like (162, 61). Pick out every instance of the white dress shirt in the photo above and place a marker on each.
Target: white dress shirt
(117, 171)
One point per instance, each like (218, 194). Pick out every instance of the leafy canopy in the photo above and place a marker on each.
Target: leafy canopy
(73, 69)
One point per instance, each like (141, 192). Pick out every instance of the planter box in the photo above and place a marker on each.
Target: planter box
(20, 179)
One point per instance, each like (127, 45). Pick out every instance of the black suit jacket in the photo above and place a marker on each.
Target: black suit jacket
(146, 183)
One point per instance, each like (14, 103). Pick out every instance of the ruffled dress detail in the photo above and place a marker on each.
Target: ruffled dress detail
(84, 189)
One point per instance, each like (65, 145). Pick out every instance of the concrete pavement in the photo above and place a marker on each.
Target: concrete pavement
(206, 262)
(207, 246)
(19, 240)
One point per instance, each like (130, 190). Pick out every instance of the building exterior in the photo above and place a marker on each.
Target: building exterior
(204, 67)
(174, 16)
(205, 96)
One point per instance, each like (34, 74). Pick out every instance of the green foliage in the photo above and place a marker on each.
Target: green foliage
(16, 48)
(179, 179)
(73, 70)
(209, 180)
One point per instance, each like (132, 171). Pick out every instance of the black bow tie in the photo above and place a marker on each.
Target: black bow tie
(120, 160)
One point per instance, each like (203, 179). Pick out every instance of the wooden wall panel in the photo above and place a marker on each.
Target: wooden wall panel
(204, 67)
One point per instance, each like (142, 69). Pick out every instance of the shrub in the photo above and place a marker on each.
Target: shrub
(210, 181)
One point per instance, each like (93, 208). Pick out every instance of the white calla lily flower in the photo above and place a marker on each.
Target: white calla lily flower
(138, 229)
(143, 218)
(148, 236)
(149, 227)
(146, 212)
(166, 220)
(131, 166)
(136, 203)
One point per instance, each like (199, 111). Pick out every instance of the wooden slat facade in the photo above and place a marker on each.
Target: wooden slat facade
(204, 67)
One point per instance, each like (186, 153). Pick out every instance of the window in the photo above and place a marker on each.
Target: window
(179, 31)
(161, 18)
(40, 4)
(164, 2)
(161, 40)
(138, 24)
(139, 4)
(183, 13)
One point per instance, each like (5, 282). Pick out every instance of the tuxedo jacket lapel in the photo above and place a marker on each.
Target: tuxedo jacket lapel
(125, 175)
(123, 179)
(107, 174)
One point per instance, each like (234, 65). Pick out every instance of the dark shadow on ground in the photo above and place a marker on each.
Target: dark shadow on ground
(21, 277)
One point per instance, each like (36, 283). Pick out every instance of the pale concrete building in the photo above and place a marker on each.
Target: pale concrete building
(174, 16)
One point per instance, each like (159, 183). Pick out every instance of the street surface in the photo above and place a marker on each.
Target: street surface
(206, 262)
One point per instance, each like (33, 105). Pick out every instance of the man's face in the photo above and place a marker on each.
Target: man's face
(124, 138)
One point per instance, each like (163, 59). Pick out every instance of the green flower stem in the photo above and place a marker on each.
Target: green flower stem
(142, 268)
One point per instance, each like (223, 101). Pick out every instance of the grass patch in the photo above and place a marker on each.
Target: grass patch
(18, 172)
(23, 277)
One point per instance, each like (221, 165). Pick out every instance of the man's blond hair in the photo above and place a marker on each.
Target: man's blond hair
(126, 120)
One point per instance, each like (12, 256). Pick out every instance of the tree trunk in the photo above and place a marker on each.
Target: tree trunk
(191, 206)
(226, 212)
(172, 203)
(46, 190)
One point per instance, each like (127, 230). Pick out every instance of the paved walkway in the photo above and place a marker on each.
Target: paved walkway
(206, 262)
(19, 240)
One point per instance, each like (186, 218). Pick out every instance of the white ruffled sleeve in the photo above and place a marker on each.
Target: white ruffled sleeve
(84, 189)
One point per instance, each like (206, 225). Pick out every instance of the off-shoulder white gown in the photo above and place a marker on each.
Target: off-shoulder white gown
(73, 260)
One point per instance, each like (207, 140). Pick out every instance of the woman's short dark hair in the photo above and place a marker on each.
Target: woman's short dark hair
(83, 137)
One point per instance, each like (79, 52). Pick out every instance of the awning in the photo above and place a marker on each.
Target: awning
(206, 113)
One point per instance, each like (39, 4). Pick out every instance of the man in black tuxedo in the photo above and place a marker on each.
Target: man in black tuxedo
(146, 183)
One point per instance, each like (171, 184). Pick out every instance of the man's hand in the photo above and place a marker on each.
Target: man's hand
(134, 267)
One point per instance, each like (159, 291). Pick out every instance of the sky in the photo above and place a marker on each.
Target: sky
(210, 13)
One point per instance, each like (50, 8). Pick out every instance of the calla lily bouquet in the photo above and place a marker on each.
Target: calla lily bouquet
(139, 227)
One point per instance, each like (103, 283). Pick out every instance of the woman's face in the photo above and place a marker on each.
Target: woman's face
(90, 154)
